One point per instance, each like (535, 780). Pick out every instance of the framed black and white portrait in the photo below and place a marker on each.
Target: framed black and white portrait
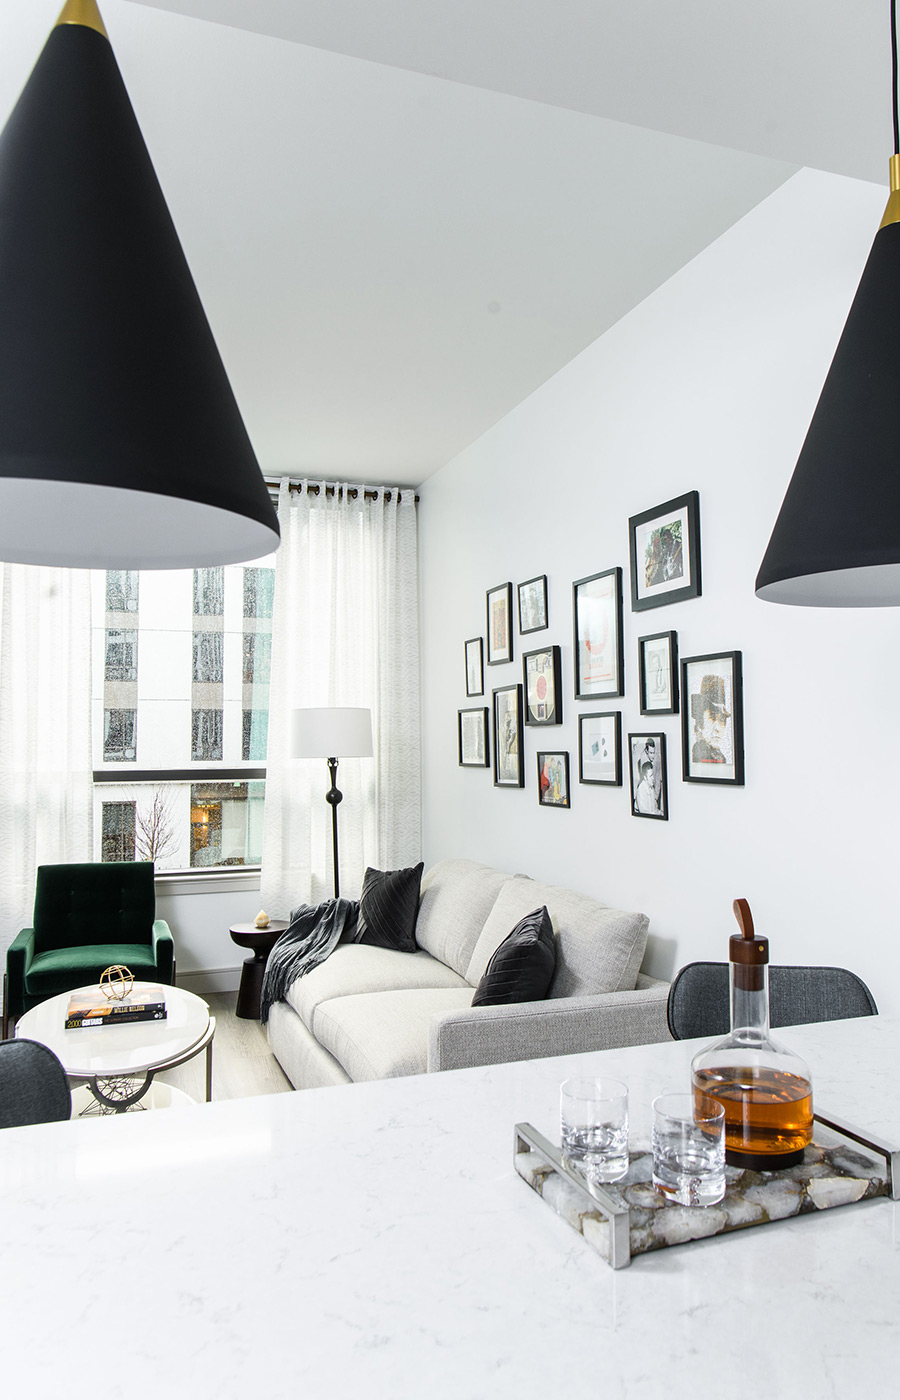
(647, 767)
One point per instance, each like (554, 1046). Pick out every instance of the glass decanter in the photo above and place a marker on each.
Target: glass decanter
(765, 1089)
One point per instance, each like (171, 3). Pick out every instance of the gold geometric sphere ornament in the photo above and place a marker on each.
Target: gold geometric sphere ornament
(116, 982)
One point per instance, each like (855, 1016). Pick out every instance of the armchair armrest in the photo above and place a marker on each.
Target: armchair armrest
(18, 959)
(164, 951)
(534, 1030)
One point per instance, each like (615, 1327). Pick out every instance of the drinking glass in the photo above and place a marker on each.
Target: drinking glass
(689, 1148)
(593, 1118)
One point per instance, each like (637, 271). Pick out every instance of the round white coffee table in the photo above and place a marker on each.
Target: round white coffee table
(119, 1062)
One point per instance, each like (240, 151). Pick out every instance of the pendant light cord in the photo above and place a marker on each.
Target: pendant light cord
(894, 76)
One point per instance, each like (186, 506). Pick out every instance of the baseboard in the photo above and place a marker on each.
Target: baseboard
(209, 980)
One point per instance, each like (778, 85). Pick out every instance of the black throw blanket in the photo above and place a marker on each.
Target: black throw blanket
(311, 935)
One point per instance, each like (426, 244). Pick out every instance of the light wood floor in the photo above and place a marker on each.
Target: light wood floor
(243, 1064)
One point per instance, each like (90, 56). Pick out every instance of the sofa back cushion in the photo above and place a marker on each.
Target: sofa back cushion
(598, 949)
(457, 897)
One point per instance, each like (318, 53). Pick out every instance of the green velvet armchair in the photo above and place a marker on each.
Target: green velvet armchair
(87, 917)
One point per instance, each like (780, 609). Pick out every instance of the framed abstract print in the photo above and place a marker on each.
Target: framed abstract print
(553, 779)
(475, 666)
(712, 719)
(600, 748)
(509, 765)
(664, 547)
(597, 608)
(499, 625)
(473, 738)
(658, 671)
(532, 597)
(543, 686)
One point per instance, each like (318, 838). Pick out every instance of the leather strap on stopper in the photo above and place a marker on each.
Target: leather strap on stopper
(748, 953)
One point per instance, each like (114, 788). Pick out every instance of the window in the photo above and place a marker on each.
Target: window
(122, 590)
(254, 735)
(259, 592)
(257, 654)
(209, 592)
(119, 728)
(121, 655)
(208, 656)
(206, 736)
(117, 840)
(226, 824)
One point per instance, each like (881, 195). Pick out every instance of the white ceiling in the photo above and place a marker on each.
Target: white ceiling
(405, 215)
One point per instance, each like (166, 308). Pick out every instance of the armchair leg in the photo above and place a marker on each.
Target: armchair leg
(5, 1034)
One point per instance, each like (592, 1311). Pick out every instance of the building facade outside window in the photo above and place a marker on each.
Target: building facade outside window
(117, 840)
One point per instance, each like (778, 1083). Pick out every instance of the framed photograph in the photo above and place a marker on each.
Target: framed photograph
(647, 766)
(597, 608)
(499, 624)
(543, 686)
(665, 553)
(473, 738)
(475, 666)
(533, 605)
(553, 779)
(712, 719)
(600, 749)
(509, 765)
(658, 669)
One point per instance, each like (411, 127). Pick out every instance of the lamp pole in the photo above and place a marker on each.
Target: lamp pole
(333, 796)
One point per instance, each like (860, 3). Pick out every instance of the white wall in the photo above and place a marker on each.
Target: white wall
(708, 385)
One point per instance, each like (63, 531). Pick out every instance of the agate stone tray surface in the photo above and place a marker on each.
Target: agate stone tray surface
(840, 1167)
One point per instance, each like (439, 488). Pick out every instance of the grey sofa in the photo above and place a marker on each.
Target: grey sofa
(374, 1013)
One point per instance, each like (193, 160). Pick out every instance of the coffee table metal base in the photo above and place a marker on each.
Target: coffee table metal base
(123, 1093)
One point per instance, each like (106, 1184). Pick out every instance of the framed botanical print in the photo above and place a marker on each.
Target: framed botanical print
(473, 738)
(475, 666)
(600, 748)
(647, 767)
(553, 779)
(712, 719)
(543, 686)
(597, 607)
(658, 670)
(664, 545)
(499, 624)
(509, 765)
(532, 597)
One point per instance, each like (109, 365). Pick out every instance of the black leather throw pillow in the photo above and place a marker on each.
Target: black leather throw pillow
(389, 907)
(522, 967)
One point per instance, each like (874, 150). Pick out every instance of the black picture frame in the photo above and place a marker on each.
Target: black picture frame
(658, 673)
(712, 718)
(600, 748)
(532, 600)
(597, 620)
(475, 666)
(553, 779)
(542, 685)
(473, 738)
(499, 624)
(647, 772)
(509, 761)
(664, 550)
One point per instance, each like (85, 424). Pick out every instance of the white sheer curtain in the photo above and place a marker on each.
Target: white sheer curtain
(45, 730)
(344, 632)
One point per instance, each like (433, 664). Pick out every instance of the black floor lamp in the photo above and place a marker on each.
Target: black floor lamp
(331, 733)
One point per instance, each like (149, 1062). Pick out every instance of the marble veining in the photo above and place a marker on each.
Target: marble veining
(374, 1240)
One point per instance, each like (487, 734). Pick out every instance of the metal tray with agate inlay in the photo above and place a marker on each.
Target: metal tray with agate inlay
(840, 1167)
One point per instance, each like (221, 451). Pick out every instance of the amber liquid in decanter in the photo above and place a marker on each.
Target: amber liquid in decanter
(764, 1088)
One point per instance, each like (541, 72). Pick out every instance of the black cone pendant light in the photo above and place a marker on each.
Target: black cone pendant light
(121, 445)
(836, 542)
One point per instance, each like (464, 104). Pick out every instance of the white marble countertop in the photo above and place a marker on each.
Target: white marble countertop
(374, 1241)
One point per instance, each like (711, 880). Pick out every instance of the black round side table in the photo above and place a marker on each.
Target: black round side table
(261, 940)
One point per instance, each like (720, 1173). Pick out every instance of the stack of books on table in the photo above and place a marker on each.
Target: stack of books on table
(143, 1003)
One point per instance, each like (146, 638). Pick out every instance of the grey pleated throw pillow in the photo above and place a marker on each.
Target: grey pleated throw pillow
(522, 967)
(389, 907)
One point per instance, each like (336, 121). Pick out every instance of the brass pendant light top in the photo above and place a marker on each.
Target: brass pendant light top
(82, 12)
(892, 209)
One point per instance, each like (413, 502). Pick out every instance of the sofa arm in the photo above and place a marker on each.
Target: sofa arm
(164, 951)
(534, 1030)
(18, 960)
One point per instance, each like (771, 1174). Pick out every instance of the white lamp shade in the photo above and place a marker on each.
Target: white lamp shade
(331, 732)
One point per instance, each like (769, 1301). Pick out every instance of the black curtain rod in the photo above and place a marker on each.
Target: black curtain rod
(313, 488)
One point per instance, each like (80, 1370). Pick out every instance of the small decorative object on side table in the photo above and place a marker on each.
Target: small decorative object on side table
(261, 941)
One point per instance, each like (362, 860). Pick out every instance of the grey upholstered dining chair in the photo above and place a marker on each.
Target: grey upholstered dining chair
(699, 998)
(33, 1085)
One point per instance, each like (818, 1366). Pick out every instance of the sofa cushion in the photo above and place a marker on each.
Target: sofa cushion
(598, 949)
(522, 967)
(457, 896)
(388, 907)
(357, 967)
(381, 1035)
